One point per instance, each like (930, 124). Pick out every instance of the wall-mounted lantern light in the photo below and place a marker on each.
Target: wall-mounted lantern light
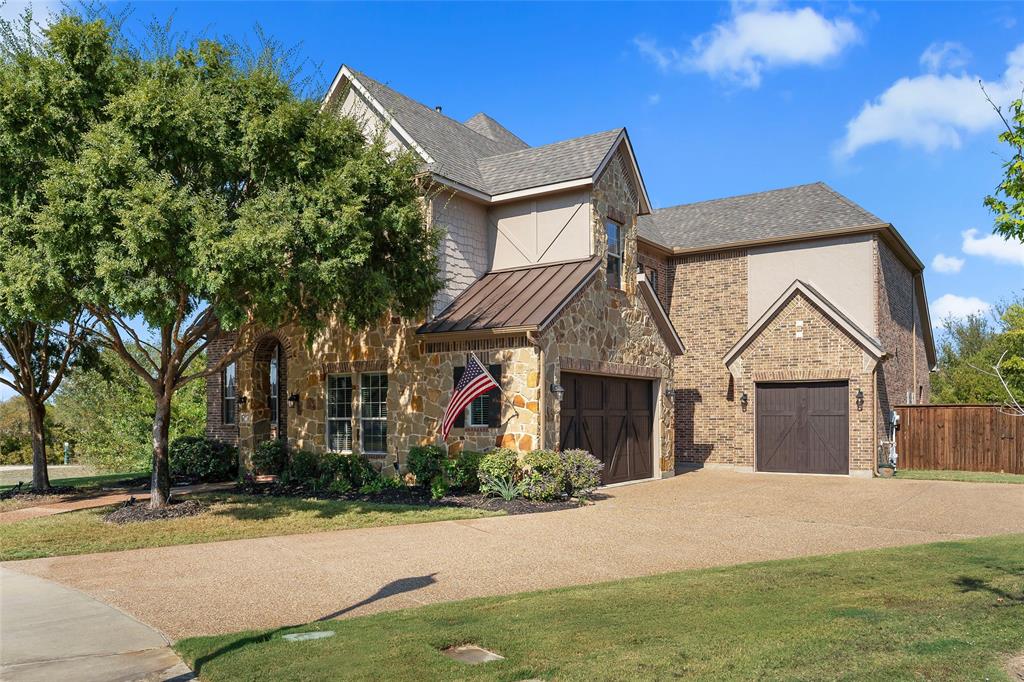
(293, 400)
(670, 393)
(243, 400)
(744, 400)
(860, 399)
(558, 391)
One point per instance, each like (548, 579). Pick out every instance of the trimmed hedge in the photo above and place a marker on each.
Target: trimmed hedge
(544, 474)
(203, 459)
(270, 457)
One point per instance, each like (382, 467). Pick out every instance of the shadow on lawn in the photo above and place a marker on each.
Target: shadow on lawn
(395, 587)
(265, 509)
(969, 584)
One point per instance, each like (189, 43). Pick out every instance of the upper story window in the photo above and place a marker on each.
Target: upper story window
(652, 277)
(614, 232)
(229, 393)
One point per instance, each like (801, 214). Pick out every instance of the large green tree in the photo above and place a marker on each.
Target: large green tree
(215, 197)
(54, 85)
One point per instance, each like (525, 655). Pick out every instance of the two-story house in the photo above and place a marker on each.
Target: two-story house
(770, 331)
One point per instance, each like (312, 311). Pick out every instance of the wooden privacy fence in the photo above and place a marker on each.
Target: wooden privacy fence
(960, 437)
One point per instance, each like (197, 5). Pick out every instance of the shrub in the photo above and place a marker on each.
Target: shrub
(304, 467)
(426, 462)
(380, 484)
(270, 457)
(543, 473)
(438, 487)
(355, 470)
(498, 464)
(462, 471)
(582, 472)
(203, 459)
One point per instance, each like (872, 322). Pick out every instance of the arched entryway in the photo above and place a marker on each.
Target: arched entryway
(269, 391)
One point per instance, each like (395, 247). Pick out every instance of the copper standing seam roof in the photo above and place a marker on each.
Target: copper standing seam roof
(523, 298)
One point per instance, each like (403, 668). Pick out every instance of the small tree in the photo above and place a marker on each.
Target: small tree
(1007, 203)
(216, 198)
(54, 84)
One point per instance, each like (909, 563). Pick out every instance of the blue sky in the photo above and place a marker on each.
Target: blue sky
(879, 100)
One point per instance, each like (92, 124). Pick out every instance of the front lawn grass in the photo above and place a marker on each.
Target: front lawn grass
(230, 517)
(949, 611)
(970, 476)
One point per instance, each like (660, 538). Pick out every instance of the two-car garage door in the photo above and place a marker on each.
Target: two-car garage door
(612, 418)
(803, 427)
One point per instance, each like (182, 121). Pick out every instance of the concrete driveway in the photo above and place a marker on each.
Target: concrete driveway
(705, 518)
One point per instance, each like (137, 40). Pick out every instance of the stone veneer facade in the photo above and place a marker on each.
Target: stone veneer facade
(601, 330)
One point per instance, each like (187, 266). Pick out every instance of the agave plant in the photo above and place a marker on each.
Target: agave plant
(507, 488)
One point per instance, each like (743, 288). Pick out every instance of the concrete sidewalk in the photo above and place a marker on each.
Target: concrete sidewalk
(51, 632)
(707, 518)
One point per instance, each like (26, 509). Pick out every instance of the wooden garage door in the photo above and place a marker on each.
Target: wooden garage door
(612, 418)
(803, 428)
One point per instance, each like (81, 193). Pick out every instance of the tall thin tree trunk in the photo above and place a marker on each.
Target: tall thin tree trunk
(36, 420)
(160, 484)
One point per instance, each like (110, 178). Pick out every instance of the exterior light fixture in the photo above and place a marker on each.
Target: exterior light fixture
(558, 391)
(293, 400)
(670, 393)
(243, 400)
(860, 399)
(744, 400)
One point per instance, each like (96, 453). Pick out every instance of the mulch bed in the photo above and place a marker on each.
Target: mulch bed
(415, 496)
(26, 493)
(133, 511)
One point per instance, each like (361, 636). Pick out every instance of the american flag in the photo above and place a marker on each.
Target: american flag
(475, 381)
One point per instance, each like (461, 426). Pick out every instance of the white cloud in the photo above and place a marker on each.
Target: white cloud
(932, 110)
(993, 246)
(654, 98)
(42, 12)
(946, 56)
(957, 307)
(755, 39)
(947, 264)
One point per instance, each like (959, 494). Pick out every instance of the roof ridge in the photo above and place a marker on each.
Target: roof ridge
(551, 144)
(431, 110)
(747, 194)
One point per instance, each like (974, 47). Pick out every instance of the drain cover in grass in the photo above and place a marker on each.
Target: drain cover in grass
(304, 636)
(471, 654)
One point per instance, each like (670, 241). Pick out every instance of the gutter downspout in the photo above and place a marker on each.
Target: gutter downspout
(532, 338)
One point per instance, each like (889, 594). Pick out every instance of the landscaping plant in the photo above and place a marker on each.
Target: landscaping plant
(462, 471)
(543, 474)
(270, 457)
(506, 487)
(303, 468)
(350, 471)
(203, 459)
(426, 462)
(581, 472)
(497, 465)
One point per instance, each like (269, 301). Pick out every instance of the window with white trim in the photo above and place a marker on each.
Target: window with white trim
(373, 413)
(614, 268)
(274, 397)
(339, 413)
(229, 393)
(652, 277)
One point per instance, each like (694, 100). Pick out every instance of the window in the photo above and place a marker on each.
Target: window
(614, 231)
(339, 413)
(479, 411)
(652, 277)
(273, 401)
(229, 394)
(373, 413)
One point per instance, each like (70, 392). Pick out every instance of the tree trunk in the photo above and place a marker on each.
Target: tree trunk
(160, 483)
(36, 420)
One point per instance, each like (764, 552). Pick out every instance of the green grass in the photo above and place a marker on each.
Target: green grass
(950, 611)
(970, 476)
(83, 481)
(230, 517)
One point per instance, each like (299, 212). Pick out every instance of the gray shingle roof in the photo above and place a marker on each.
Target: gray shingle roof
(781, 213)
(488, 127)
(483, 157)
(567, 160)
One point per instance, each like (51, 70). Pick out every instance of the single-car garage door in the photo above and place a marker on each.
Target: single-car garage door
(612, 418)
(803, 427)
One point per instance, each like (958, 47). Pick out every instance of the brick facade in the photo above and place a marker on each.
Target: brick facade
(708, 309)
(215, 426)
